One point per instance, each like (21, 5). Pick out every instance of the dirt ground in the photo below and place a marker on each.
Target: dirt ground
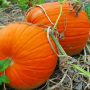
(63, 77)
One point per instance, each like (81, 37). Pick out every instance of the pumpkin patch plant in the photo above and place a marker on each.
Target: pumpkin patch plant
(3, 65)
(72, 26)
(31, 57)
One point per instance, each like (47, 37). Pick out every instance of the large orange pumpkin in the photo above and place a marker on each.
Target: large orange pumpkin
(77, 28)
(32, 58)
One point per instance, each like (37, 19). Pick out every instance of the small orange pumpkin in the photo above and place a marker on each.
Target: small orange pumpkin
(77, 28)
(32, 58)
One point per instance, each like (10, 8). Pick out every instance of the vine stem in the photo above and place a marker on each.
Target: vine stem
(4, 83)
(61, 3)
(88, 48)
(58, 44)
(84, 55)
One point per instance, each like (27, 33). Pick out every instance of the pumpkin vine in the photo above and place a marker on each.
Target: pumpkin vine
(77, 5)
(78, 8)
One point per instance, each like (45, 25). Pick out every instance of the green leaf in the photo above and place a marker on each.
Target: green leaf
(23, 1)
(1, 82)
(0, 15)
(3, 5)
(4, 64)
(4, 78)
(80, 69)
(41, 1)
(25, 6)
(33, 3)
(62, 0)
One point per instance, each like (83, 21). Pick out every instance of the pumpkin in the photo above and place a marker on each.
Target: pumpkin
(77, 28)
(32, 58)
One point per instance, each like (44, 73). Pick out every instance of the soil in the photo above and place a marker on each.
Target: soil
(64, 77)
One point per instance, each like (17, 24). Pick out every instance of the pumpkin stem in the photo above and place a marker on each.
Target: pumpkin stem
(11, 61)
